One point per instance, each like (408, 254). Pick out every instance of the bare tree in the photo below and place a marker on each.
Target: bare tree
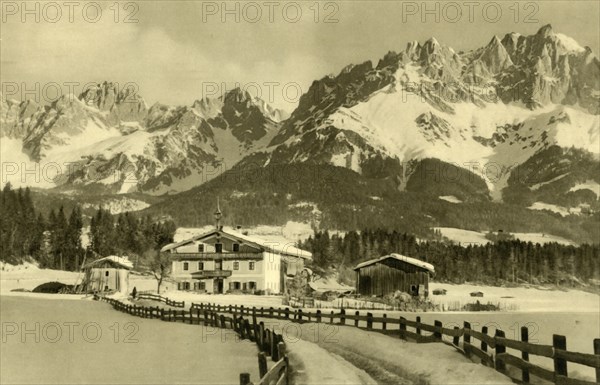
(160, 266)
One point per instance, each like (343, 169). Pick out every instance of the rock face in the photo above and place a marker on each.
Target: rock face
(425, 105)
(121, 105)
(496, 105)
(109, 138)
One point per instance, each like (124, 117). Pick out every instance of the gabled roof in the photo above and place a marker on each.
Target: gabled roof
(412, 261)
(274, 247)
(123, 262)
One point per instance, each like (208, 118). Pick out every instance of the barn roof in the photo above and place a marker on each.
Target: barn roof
(412, 261)
(123, 262)
(274, 247)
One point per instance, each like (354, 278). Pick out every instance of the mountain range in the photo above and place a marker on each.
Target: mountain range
(515, 122)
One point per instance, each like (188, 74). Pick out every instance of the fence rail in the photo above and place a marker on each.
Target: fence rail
(489, 350)
(269, 343)
(156, 297)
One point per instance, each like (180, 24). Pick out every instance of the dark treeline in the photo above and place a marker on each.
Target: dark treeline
(502, 261)
(128, 234)
(55, 241)
(21, 227)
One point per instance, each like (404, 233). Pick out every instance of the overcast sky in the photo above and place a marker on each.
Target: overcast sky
(176, 50)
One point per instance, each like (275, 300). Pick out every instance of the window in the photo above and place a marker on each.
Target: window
(218, 247)
(106, 273)
(244, 286)
(201, 247)
(236, 247)
(201, 285)
(236, 265)
(186, 266)
(251, 265)
(200, 265)
(236, 286)
(251, 285)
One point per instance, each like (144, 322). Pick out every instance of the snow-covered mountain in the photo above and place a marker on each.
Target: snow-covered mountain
(487, 111)
(112, 139)
(420, 117)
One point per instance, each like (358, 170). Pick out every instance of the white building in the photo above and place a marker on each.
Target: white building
(225, 260)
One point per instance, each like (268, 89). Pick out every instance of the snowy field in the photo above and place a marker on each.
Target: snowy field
(109, 347)
(465, 237)
(573, 313)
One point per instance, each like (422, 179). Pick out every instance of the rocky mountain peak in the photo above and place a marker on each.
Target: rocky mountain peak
(545, 31)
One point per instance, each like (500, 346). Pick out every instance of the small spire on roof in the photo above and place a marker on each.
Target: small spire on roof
(218, 215)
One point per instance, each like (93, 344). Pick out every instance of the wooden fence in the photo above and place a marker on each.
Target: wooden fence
(269, 343)
(489, 350)
(156, 297)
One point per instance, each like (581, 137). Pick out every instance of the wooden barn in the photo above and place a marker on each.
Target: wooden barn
(391, 273)
(107, 274)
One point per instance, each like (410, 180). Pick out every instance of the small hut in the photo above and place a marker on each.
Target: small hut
(107, 274)
(391, 273)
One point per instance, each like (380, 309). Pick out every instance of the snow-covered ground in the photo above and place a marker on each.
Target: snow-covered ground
(478, 237)
(563, 211)
(337, 354)
(518, 299)
(450, 198)
(463, 236)
(109, 347)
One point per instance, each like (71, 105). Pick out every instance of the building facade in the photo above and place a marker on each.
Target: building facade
(391, 273)
(223, 261)
(108, 274)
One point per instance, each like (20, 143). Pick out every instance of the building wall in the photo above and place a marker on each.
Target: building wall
(385, 278)
(108, 278)
(272, 273)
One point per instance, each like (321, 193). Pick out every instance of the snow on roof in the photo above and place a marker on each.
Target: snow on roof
(275, 247)
(409, 260)
(122, 261)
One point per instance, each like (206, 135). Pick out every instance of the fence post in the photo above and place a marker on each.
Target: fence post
(223, 324)
(403, 328)
(287, 313)
(261, 335)
(525, 355)
(273, 345)
(438, 329)
(597, 352)
(369, 321)
(500, 365)
(162, 314)
(384, 323)
(357, 314)
(249, 330)
(244, 378)
(417, 327)
(484, 330)
(560, 364)
(281, 350)
(262, 364)
(300, 315)
(342, 316)
(456, 339)
(254, 316)
(467, 339)
(318, 316)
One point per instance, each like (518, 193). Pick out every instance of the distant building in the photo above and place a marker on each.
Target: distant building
(107, 274)
(391, 273)
(225, 260)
